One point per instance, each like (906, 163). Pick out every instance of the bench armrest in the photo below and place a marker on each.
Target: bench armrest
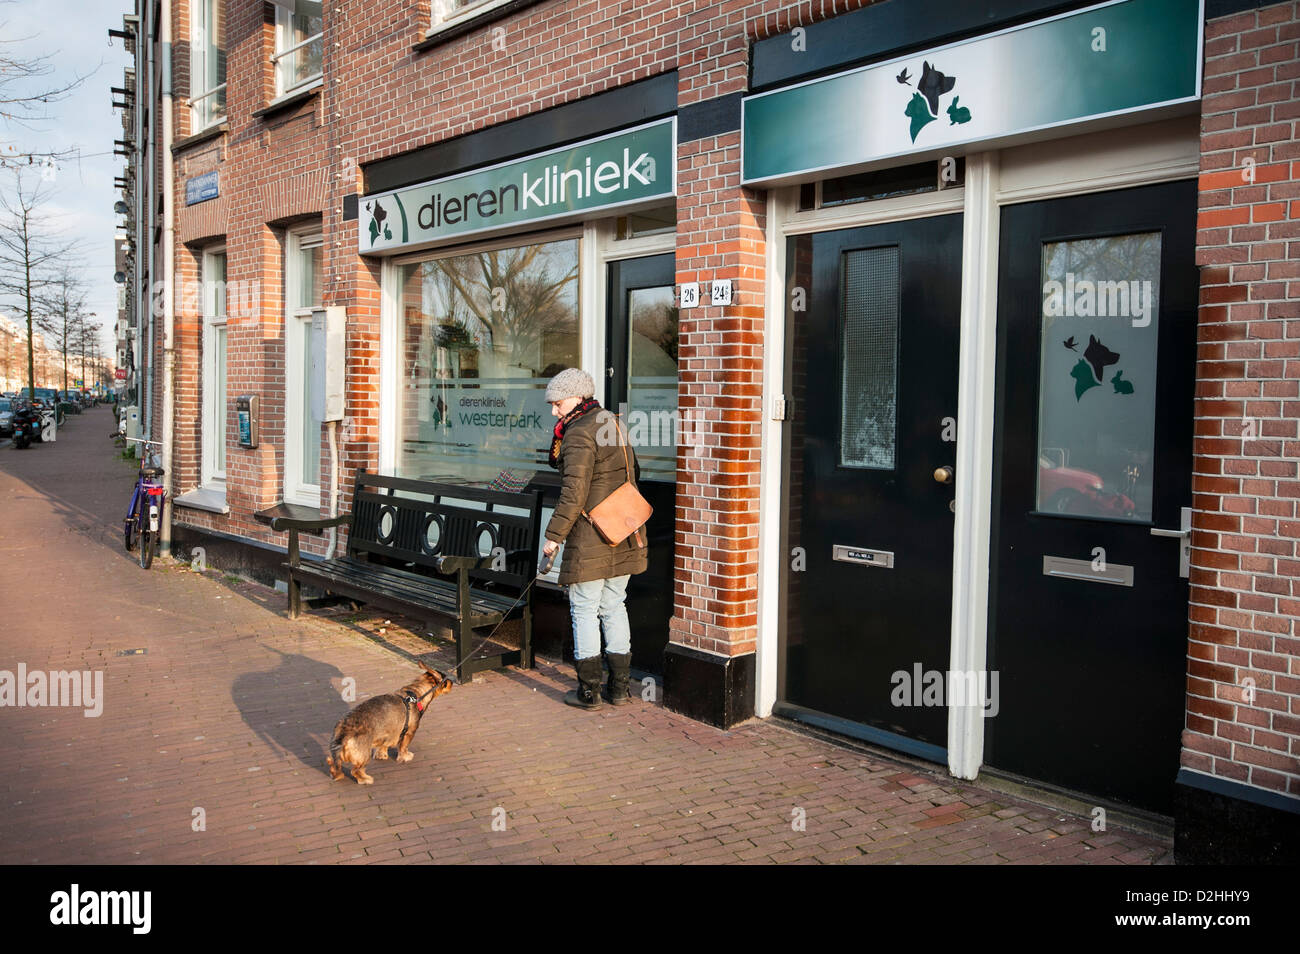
(454, 564)
(280, 524)
(295, 526)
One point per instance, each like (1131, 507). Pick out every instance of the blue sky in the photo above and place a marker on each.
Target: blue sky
(74, 34)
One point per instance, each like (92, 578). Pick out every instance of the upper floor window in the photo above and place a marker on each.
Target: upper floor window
(207, 62)
(446, 12)
(299, 45)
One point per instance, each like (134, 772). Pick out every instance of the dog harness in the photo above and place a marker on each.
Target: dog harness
(410, 697)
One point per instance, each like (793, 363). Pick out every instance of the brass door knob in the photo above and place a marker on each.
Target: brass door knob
(943, 475)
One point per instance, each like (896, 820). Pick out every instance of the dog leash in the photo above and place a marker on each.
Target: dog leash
(545, 568)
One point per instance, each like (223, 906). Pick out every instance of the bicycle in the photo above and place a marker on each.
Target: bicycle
(147, 501)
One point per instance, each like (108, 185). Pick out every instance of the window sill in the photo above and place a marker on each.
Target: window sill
(292, 98)
(203, 135)
(211, 499)
(446, 32)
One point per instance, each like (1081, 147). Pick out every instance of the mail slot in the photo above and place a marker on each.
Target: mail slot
(848, 554)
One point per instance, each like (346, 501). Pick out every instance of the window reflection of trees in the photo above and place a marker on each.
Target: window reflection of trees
(517, 306)
(656, 322)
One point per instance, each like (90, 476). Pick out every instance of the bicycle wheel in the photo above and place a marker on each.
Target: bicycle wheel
(129, 526)
(148, 539)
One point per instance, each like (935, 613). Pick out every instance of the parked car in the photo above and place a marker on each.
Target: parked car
(1071, 490)
(6, 417)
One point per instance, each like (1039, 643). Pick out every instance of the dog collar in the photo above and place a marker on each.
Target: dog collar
(411, 697)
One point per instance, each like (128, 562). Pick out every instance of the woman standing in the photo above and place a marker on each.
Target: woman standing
(591, 452)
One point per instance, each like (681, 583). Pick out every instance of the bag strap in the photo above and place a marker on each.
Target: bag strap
(628, 463)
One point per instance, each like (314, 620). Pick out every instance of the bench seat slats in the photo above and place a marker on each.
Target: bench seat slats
(400, 584)
(414, 523)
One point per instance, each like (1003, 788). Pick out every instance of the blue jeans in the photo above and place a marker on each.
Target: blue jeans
(603, 599)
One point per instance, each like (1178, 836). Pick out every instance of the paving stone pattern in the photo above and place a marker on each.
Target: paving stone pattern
(231, 705)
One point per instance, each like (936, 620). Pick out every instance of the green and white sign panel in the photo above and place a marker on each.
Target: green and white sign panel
(634, 167)
(1097, 66)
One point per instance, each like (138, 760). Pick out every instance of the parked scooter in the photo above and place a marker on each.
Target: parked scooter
(27, 426)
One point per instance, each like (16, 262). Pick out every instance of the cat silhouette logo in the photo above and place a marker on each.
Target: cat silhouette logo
(378, 215)
(923, 107)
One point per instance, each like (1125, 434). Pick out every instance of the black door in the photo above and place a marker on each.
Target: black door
(873, 406)
(641, 364)
(1092, 470)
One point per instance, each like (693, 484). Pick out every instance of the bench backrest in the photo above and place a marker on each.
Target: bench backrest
(401, 521)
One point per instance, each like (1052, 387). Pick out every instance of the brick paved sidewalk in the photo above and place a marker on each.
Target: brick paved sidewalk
(212, 740)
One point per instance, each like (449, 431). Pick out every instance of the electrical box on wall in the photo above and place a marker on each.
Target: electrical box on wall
(246, 417)
(327, 335)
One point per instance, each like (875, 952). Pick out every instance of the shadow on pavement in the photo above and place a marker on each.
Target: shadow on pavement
(293, 708)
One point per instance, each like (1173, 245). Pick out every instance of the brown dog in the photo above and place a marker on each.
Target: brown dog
(390, 719)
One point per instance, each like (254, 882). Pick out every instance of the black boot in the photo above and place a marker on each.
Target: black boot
(616, 689)
(587, 695)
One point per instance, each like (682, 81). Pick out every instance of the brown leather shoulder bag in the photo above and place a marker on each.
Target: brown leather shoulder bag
(624, 512)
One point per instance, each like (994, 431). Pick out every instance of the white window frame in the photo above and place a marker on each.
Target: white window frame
(297, 339)
(215, 420)
(591, 329)
(284, 50)
(200, 28)
(444, 15)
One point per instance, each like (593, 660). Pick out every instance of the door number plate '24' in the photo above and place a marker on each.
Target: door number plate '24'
(847, 554)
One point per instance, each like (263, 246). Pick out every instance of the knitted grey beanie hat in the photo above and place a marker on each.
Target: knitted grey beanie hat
(571, 382)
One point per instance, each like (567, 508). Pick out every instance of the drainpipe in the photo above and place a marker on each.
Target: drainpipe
(334, 487)
(168, 267)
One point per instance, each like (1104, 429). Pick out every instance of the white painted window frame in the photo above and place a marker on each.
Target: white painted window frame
(443, 14)
(297, 339)
(284, 50)
(591, 339)
(214, 422)
(200, 48)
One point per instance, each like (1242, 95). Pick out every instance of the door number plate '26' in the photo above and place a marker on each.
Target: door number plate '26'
(847, 554)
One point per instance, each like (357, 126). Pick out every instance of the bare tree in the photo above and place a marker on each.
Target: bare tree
(62, 316)
(29, 250)
(25, 93)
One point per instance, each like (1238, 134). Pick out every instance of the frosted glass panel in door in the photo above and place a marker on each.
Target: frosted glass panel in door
(1097, 376)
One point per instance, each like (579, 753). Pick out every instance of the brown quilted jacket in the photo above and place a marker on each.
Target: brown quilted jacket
(591, 472)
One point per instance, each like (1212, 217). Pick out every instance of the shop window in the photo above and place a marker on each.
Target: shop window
(299, 45)
(869, 373)
(302, 278)
(1097, 376)
(213, 279)
(207, 63)
(480, 335)
(661, 220)
(446, 12)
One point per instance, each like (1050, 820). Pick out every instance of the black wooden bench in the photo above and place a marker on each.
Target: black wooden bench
(424, 550)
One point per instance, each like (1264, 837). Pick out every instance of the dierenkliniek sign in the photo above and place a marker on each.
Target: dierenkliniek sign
(626, 168)
(1106, 65)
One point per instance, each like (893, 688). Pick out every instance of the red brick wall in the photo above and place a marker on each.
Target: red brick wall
(382, 98)
(1245, 566)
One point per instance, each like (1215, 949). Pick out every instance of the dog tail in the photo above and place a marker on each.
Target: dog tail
(334, 760)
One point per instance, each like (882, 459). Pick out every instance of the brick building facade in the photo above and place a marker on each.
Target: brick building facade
(302, 123)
